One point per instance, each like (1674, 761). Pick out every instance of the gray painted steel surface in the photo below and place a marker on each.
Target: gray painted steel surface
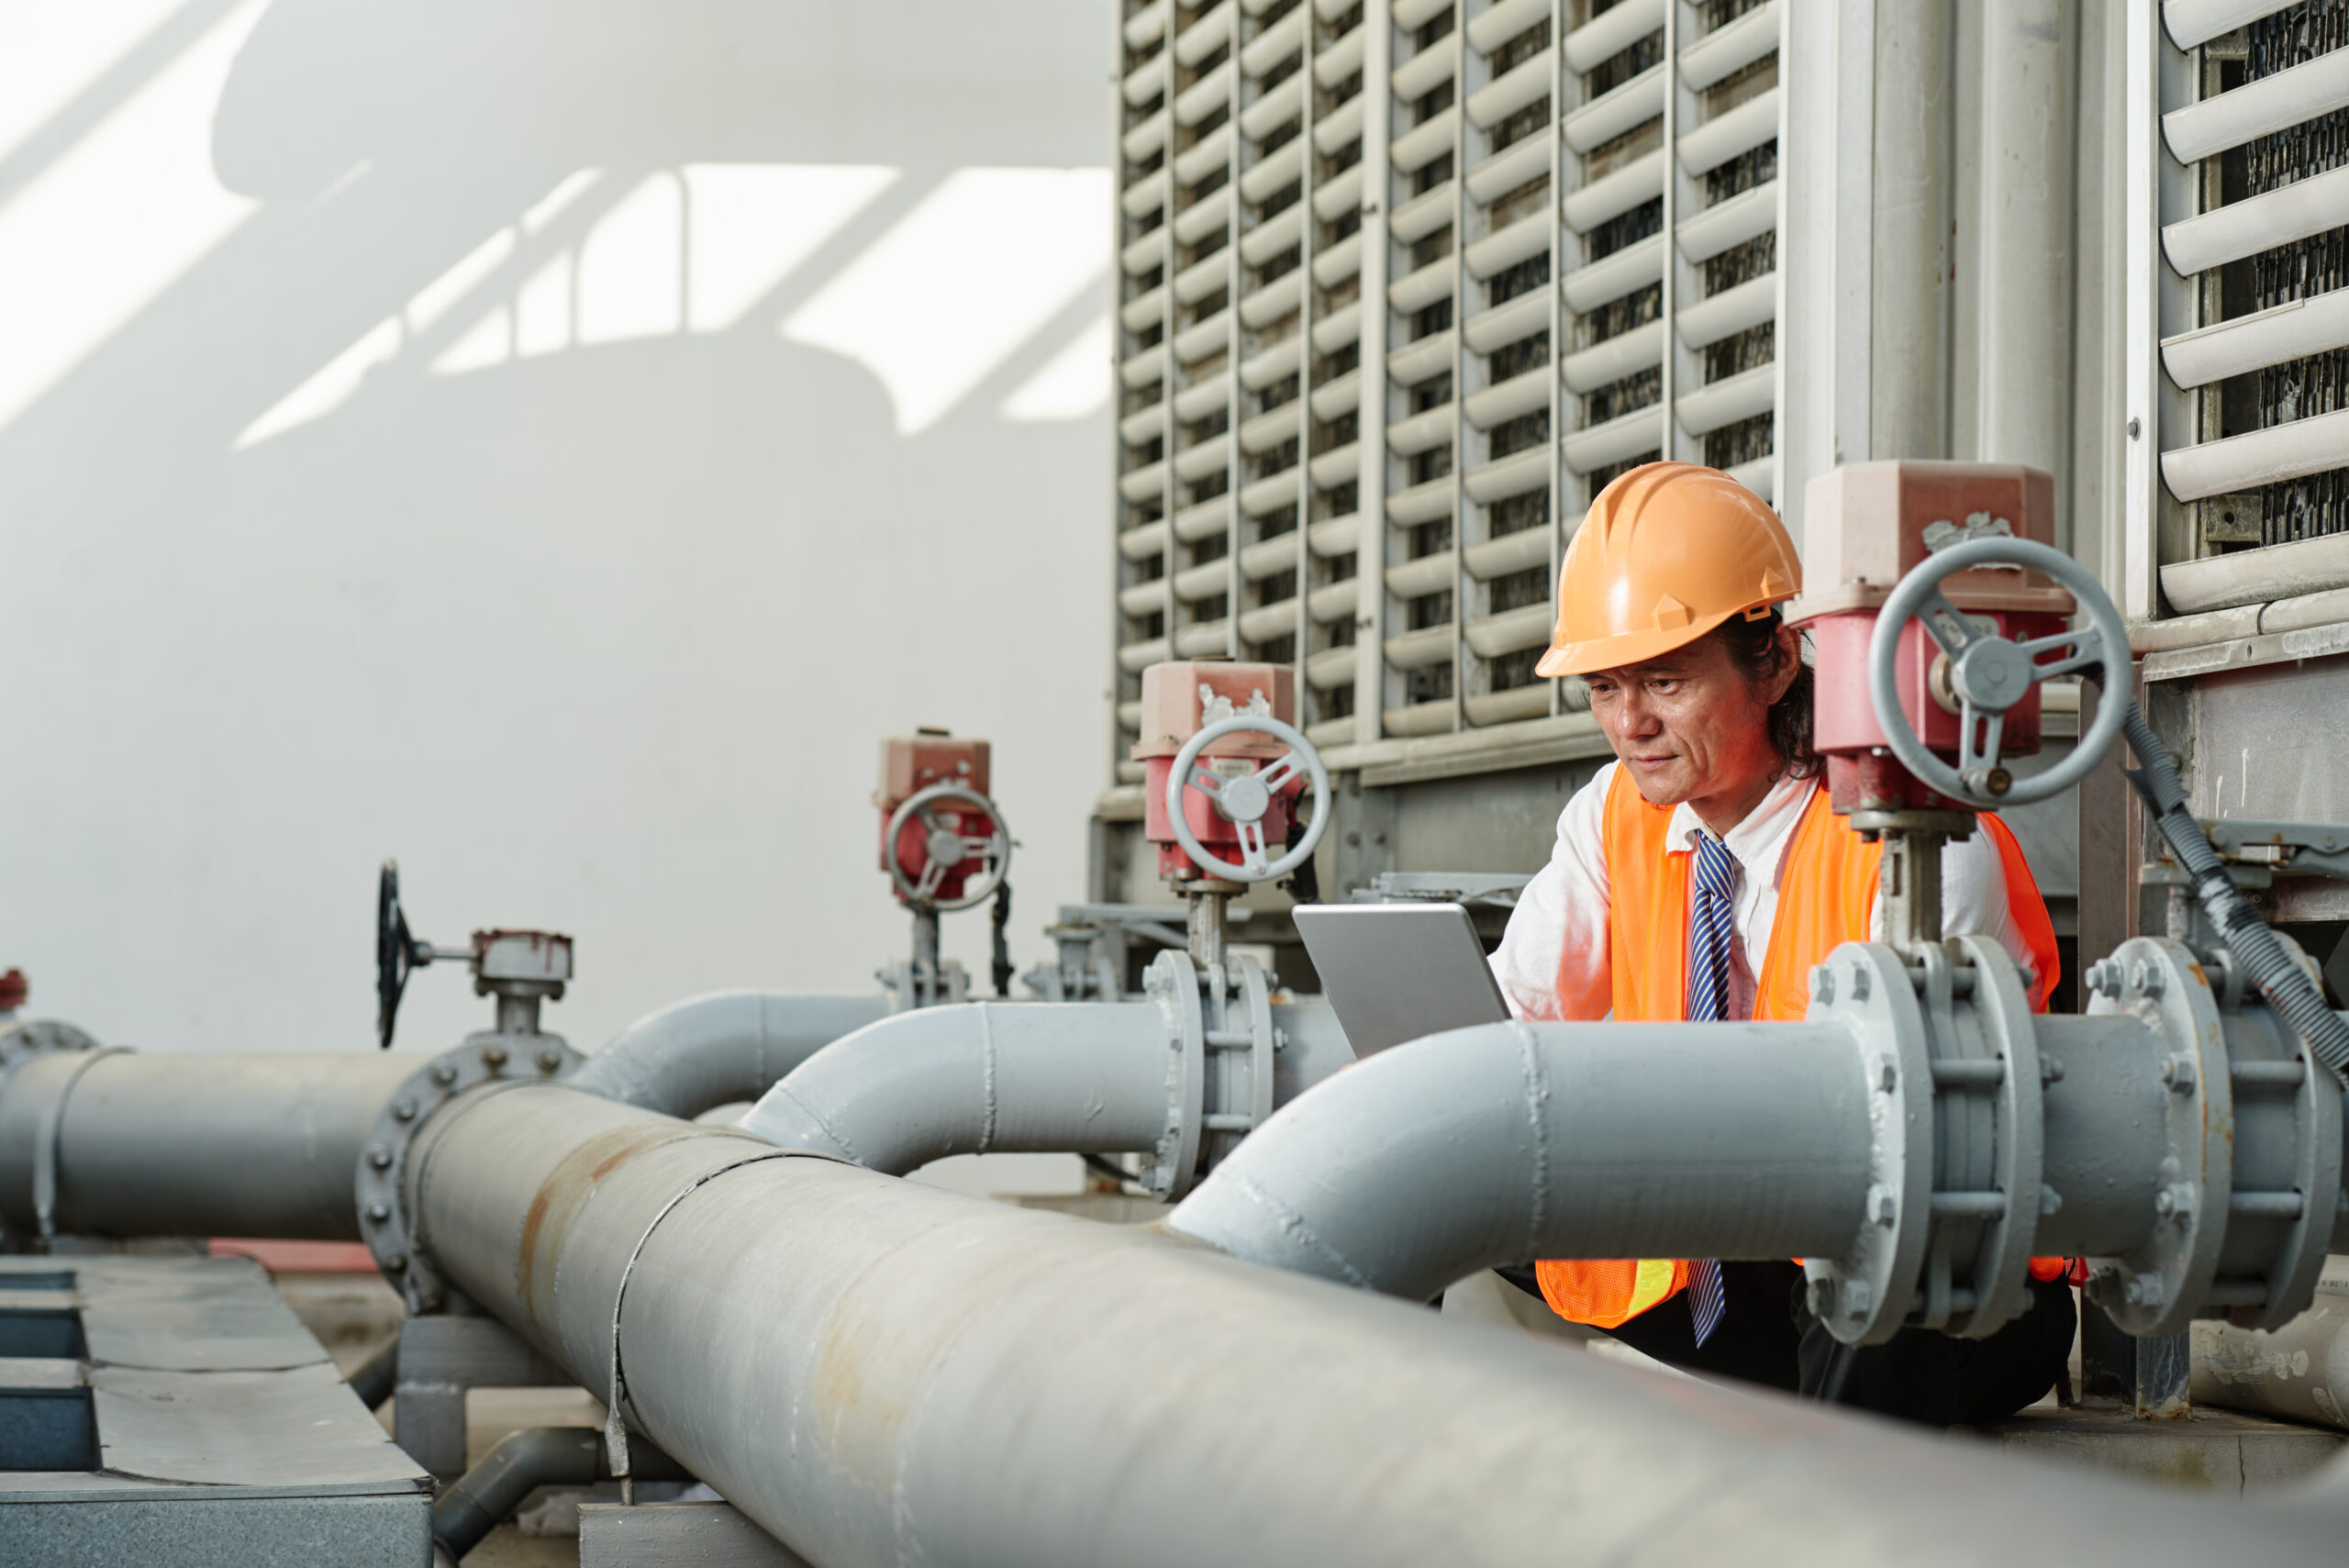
(189, 1145)
(712, 1051)
(1096, 1077)
(881, 1373)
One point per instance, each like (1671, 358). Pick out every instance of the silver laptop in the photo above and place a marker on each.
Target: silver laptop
(1397, 972)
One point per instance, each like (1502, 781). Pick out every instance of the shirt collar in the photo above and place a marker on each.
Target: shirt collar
(1758, 841)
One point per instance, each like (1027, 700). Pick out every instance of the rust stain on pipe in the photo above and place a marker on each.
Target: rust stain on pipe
(561, 1197)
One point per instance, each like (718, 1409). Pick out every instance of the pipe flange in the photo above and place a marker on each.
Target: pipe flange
(2000, 1270)
(2154, 1289)
(1172, 982)
(2284, 1097)
(1239, 1057)
(1863, 1296)
(28, 1037)
(384, 1221)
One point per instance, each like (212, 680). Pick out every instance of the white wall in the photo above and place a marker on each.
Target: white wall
(550, 443)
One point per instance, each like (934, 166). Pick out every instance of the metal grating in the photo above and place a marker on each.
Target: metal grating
(2260, 116)
(1396, 283)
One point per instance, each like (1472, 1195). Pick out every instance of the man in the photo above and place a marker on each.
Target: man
(1700, 875)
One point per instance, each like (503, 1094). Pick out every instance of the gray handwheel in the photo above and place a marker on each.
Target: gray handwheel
(1990, 674)
(946, 846)
(1244, 801)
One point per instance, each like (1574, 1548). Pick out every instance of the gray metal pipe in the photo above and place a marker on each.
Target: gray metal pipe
(880, 1372)
(712, 1051)
(1062, 1077)
(518, 1464)
(1055, 1077)
(2299, 1370)
(189, 1145)
(1513, 1141)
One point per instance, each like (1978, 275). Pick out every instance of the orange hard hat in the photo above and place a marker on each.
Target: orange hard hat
(1668, 552)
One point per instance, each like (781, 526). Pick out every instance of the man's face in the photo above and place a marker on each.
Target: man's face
(1688, 726)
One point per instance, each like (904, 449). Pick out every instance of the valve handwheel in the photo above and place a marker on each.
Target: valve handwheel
(396, 953)
(1989, 674)
(1245, 799)
(946, 847)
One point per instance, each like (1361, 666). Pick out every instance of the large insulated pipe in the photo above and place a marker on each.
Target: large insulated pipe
(713, 1051)
(880, 1372)
(1513, 1141)
(991, 1077)
(179, 1144)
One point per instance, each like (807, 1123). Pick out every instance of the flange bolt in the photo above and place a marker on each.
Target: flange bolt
(493, 1058)
(444, 1074)
(404, 1110)
(379, 1212)
(380, 1156)
(548, 1061)
(2104, 977)
(396, 1263)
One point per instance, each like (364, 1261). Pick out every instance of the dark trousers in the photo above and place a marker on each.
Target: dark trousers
(1768, 1335)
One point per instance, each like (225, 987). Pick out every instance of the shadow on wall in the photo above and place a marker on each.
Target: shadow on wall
(550, 441)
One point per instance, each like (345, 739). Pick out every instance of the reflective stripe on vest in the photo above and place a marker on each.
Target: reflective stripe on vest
(1827, 895)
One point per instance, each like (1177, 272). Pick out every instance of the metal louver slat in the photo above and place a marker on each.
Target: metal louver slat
(1207, 638)
(1141, 484)
(1206, 96)
(1210, 456)
(1339, 127)
(1144, 254)
(1612, 32)
(1745, 216)
(1148, 137)
(1277, 169)
(1197, 281)
(1330, 667)
(1511, 552)
(1268, 431)
(1333, 537)
(1336, 466)
(1278, 107)
(1611, 277)
(1424, 72)
(1204, 520)
(1280, 359)
(1732, 311)
(1198, 342)
(1521, 161)
(1142, 309)
(1422, 358)
(1280, 297)
(1342, 194)
(1342, 59)
(1510, 631)
(1146, 194)
(1512, 475)
(1424, 142)
(1423, 213)
(1729, 48)
(2230, 233)
(1625, 436)
(1496, 25)
(2193, 22)
(1149, 79)
(1195, 403)
(1147, 25)
(1422, 503)
(1612, 196)
(1206, 35)
(1338, 328)
(1274, 44)
(1211, 152)
(1144, 369)
(1268, 557)
(1333, 601)
(1612, 359)
(1726, 401)
(1428, 574)
(1143, 426)
(1274, 235)
(1411, 14)
(2262, 457)
(1418, 649)
(1507, 323)
(1507, 399)
(1264, 497)
(1342, 395)
(1528, 237)
(1145, 598)
(1340, 261)
(1144, 542)
(1202, 218)
(1723, 137)
(1523, 83)
(1416, 291)
(1421, 432)
(2258, 108)
(1626, 107)
(2292, 330)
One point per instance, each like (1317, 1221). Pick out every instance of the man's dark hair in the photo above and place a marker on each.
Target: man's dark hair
(1754, 648)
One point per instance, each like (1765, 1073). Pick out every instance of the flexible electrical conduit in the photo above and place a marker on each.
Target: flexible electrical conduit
(715, 1050)
(879, 1372)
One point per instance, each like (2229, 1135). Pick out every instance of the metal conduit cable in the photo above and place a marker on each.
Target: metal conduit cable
(374, 1379)
(2286, 987)
(518, 1464)
(181, 1144)
(879, 1372)
(711, 1050)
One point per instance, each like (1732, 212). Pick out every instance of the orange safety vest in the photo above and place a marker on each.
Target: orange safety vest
(1827, 894)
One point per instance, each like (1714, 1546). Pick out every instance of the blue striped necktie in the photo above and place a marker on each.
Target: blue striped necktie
(1712, 920)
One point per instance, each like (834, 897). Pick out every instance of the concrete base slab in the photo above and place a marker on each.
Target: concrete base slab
(2223, 1451)
(676, 1535)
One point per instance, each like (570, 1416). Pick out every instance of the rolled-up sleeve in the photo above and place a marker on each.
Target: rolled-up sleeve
(1553, 962)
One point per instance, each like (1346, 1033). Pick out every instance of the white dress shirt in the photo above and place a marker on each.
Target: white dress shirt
(1561, 918)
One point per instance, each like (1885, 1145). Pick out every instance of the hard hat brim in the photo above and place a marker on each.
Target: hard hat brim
(1627, 647)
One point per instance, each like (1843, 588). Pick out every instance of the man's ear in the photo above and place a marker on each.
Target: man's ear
(1789, 660)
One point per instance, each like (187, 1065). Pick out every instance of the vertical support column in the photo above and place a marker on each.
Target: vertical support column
(1235, 589)
(1309, 230)
(1909, 307)
(1461, 657)
(1560, 13)
(1679, 116)
(1370, 548)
